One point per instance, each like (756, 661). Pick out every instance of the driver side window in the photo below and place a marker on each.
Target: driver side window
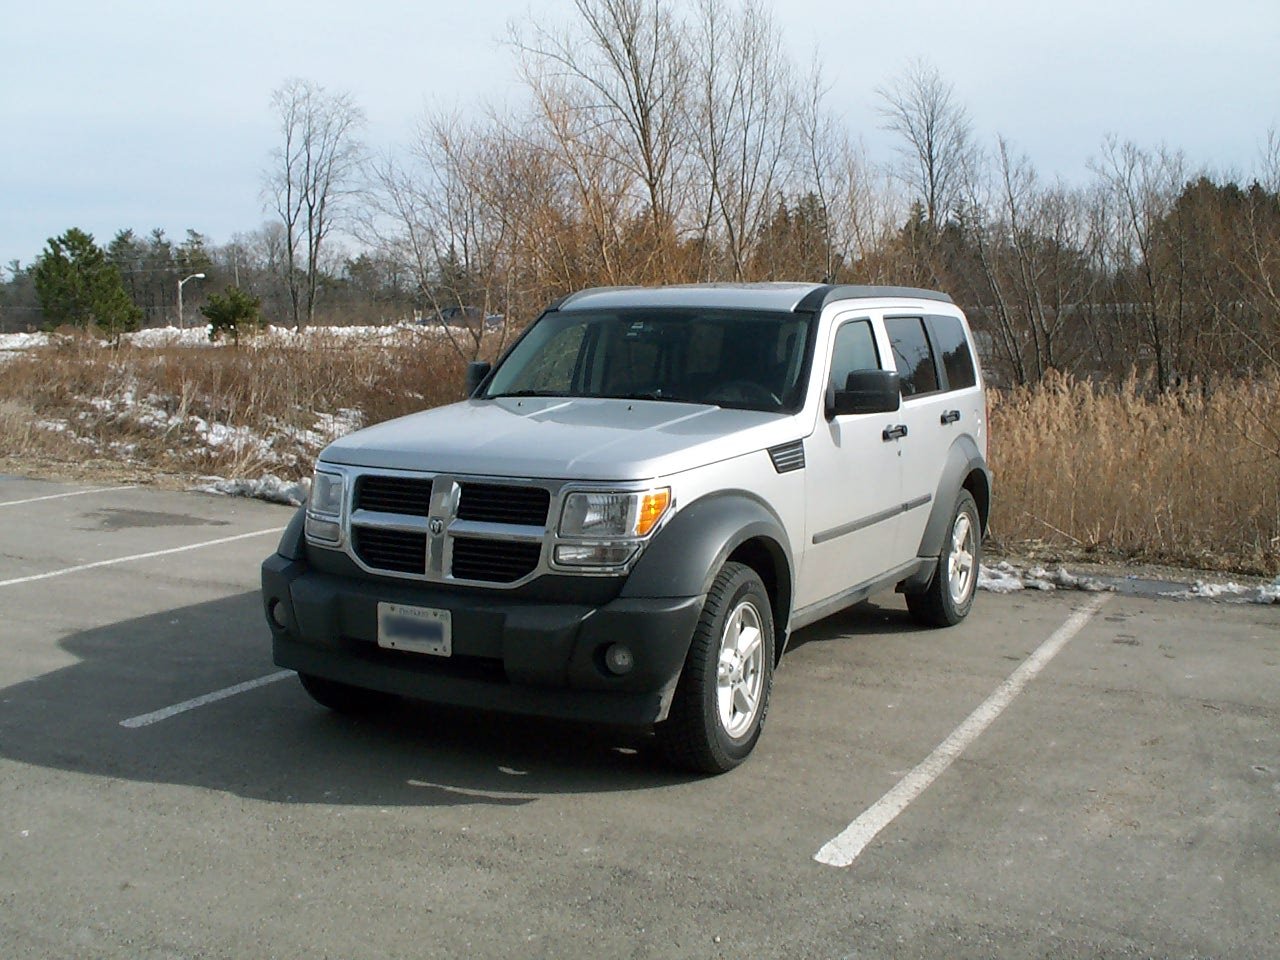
(854, 349)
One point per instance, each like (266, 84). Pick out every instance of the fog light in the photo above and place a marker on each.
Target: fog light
(619, 659)
(594, 554)
(275, 610)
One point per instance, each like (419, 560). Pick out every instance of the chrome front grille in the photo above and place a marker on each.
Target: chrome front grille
(442, 528)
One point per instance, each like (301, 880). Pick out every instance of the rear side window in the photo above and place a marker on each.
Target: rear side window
(913, 355)
(957, 360)
(855, 349)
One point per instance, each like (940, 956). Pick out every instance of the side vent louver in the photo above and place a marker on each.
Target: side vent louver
(788, 456)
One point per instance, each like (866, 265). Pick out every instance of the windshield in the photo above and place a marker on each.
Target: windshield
(730, 358)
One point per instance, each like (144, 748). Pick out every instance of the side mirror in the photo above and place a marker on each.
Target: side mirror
(866, 391)
(477, 370)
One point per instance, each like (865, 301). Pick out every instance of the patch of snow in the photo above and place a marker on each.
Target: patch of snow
(1004, 577)
(1232, 592)
(23, 341)
(270, 488)
(327, 428)
(1061, 579)
(197, 336)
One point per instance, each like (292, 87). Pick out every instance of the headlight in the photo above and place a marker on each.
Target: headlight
(324, 506)
(610, 514)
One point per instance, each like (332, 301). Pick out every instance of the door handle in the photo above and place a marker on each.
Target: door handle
(950, 416)
(895, 432)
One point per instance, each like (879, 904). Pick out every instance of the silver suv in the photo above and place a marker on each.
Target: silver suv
(639, 504)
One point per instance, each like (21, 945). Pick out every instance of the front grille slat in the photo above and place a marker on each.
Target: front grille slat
(494, 561)
(394, 550)
(498, 503)
(404, 495)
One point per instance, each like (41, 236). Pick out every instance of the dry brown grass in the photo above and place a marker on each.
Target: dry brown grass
(1190, 476)
(155, 407)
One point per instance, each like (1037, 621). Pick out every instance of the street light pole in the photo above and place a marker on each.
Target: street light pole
(182, 324)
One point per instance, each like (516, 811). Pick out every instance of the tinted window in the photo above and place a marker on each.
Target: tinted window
(913, 355)
(957, 361)
(855, 349)
(747, 359)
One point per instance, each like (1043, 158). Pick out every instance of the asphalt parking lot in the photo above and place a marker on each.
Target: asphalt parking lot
(1063, 775)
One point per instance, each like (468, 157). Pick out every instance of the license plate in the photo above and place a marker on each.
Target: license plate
(415, 629)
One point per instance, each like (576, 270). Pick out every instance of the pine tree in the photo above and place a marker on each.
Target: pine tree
(78, 285)
(232, 313)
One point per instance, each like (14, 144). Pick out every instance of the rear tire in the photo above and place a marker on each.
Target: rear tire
(723, 694)
(949, 596)
(342, 697)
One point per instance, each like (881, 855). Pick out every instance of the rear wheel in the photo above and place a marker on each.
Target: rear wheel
(342, 697)
(947, 599)
(723, 694)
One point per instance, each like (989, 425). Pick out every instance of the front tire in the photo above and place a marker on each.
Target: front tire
(947, 599)
(723, 694)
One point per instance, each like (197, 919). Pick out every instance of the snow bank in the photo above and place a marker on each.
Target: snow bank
(23, 341)
(1005, 577)
(1232, 592)
(270, 488)
(198, 336)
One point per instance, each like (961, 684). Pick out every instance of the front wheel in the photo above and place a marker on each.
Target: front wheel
(723, 695)
(947, 599)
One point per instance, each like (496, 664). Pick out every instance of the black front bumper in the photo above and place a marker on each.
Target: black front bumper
(512, 654)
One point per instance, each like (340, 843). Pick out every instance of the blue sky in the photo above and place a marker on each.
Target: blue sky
(150, 114)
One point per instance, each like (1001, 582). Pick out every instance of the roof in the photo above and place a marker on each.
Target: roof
(755, 296)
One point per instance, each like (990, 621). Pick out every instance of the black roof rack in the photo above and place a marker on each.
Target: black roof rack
(819, 297)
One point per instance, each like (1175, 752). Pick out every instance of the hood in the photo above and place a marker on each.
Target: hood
(562, 438)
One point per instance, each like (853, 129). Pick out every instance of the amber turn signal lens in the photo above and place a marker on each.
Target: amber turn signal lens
(652, 506)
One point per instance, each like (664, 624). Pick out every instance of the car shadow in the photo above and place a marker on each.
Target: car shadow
(884, 616)
(273, 742)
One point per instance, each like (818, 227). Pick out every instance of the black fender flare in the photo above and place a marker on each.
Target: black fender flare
(964, 459)
(292, 544)
(688, 552)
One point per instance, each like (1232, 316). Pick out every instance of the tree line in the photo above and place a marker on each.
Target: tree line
(666, 143)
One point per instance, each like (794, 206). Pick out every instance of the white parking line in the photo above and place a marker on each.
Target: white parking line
(137, 556)
(146, 719)
(73, 493)
(843, 850)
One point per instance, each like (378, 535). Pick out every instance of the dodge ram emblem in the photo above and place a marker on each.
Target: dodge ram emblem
(436, 525)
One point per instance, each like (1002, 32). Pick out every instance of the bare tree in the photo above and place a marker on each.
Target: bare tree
(439, 218)
(1270, 162)
(920, 107)
(311, 177)
(742, 107)
(1032, 275)
(627, 69)
(1143, 187)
